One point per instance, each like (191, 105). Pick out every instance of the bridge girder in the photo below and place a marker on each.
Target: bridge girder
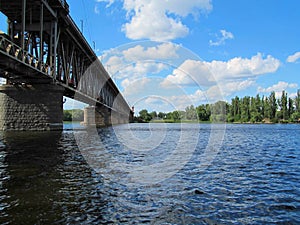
(43, 44)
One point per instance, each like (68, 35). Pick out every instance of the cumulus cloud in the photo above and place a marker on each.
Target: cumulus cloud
(139, 69)
(138, 60)
(182, 100)
(293, 58)
(229, 88)
(243, 67)
(134, 87)
(160, 20)
(193, 72)
(277, 88)
(225, 35)
(159, 52)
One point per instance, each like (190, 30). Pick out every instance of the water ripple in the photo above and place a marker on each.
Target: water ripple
(254, 178)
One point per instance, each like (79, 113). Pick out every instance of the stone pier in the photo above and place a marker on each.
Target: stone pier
(101, 117)
(31, 107)
(94, 117)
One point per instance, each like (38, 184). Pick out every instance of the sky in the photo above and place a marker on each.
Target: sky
(167, 54)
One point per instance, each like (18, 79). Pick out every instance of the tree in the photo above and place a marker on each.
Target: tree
(290, 107)
(203, 112)
(255, 109)
(191, 113)
(153, 114)
(219, 111)
(67, 115)
(73, 114)
(273, 105)
(176, 116)
(297, 102)
(283, 106)
(263, 107)
(245, 109)
(144, 115)
(77, 115)
(161, 115)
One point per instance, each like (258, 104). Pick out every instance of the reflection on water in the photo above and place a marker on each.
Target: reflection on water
(45, 179)
(254, 178)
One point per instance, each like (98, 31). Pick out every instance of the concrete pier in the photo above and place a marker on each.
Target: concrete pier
(101, 116)
(31, 107)
(94, 117)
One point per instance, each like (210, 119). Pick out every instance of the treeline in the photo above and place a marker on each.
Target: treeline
(265, 109)
(73, 115)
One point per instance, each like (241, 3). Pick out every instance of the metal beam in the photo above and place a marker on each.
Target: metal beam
(41, 35)
(23, 24)
(49, 8)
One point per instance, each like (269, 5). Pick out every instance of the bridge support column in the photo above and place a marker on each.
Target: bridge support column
(101, 116)
(31, 107)
(96, 116)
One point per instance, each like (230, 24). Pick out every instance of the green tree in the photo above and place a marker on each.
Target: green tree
(176, 116)
(234, 114)
(161, 115)
(297, 102)
(153, 114)
(283, 106)
(144, 115)
(77, 115)
(290, 107)
(245, 109)
(67, 115)
(295, 116)
(273, 106)
(191, 113)
(219, 111)
(203, 112)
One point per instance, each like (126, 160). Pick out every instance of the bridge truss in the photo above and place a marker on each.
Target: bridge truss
(44, 45)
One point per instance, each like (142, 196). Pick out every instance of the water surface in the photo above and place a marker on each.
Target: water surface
(152, 174)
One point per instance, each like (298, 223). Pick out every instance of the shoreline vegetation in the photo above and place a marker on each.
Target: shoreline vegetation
(246, 110)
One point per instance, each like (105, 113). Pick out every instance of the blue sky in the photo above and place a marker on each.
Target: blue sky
(167, 54)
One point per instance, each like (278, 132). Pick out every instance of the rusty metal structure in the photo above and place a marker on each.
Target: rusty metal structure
(43, 45)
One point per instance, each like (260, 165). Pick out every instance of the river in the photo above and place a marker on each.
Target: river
(152, 174)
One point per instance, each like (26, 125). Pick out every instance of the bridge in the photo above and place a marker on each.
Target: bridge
(43, 57)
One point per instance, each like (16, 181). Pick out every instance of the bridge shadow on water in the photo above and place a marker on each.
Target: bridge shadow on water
(45, 180)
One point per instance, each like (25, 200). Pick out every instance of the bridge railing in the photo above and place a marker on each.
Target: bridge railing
(11, 49)
(64, 4)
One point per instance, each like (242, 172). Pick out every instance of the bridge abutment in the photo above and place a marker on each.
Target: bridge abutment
(31, 107)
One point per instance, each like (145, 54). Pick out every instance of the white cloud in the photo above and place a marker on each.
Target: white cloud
(226, 35)
(96, 9)
(277, 88)
(109, 2)
(242, 67)
(139, 61)
(160, 20)
(140, 69)
(159, 52)
(181, 101)
(193, 72)
(293, 58)
(134, 87)
(228, 88)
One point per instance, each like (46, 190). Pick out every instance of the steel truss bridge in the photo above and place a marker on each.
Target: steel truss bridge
(43, 45)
